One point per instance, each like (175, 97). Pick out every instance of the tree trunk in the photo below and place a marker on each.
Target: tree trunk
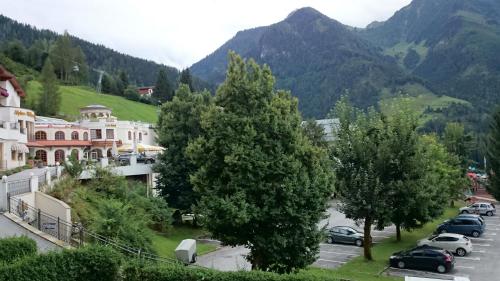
(398, 232)
(256, 261)
(452, 203)
(367, 244)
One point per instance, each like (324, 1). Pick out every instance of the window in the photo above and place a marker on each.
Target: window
(59, 135)
(129, 135)
(85, 136)
(140, 136)
(417, 253)
(13, 155)
(95, 134)
(40, 135)
(74, 135)
(41, 155)
(20, 156)
(59, 155)
(110, 134)
(109, 153)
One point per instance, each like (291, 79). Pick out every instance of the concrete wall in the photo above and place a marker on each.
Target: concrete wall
(52, 206)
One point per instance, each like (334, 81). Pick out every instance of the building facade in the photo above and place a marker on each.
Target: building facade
(92, 137)
(16, 123)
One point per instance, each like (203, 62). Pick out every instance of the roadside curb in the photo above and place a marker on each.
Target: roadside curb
(37, 232)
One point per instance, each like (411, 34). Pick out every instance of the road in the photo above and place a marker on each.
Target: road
(331, 255)
(9, 228)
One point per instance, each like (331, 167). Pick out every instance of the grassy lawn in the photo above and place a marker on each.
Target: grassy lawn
(165, 243)
(75, 97)
(360, 270)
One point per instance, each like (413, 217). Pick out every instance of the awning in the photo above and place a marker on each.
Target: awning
(140, 148)
(19, 147)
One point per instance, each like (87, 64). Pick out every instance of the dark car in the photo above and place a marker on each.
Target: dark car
(462, 225)
(424, 258)
(124, 159)
(473, 216)
(344, 234)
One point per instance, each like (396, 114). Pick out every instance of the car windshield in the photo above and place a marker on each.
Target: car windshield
(432, 237)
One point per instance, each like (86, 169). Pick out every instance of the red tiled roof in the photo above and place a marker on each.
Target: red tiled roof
(48, 143)
(7, 76)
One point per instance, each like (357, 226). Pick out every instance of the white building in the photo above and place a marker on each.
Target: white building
(92, 137)
(16, 123)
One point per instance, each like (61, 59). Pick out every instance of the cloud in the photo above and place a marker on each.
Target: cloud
(179, 33)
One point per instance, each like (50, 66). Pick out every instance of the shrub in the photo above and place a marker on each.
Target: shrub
(16, 247)
(89, 263)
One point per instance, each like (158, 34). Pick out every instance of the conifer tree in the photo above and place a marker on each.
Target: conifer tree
(49, 100)
(493, 155)
(185, 78)
(163, 90)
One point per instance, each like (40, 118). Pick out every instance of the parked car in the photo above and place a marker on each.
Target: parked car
(462, 225)
(124, 159)
(480, 208)
(477, 217)
(344, 234)
(455, 243)
(424, 258)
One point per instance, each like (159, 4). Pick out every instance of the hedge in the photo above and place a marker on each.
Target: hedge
(16, 247)
(136, 272)
(89, 263)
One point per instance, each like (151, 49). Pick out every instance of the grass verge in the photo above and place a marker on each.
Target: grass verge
(165, 243)
(360, 270)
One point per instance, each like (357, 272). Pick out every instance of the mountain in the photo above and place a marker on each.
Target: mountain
(452, 44)
(314, 56)
(140, 71)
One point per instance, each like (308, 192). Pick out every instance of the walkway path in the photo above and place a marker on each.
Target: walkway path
(26, 174)
(9, 228)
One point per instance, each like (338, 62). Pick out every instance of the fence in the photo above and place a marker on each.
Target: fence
(19, 187)
(73, 234)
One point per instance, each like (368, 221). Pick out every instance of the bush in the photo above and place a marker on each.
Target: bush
(89, 263)
(16, 247)
(136, 272)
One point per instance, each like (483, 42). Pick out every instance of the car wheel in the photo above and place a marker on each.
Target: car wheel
(194, 258)
(358, 243)
(401, 264)
(329, 240)
(464, 212)
(489, 213)
(475, 233)
(441, 268)
(461, 252)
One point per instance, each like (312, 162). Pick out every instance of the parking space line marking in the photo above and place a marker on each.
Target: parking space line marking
(380, 236)
(493, 234)
(420, 272)
(493, 229)
(478, 251)
(469, 258)
(385, 231)
(341, 253)
(482, 245)
(481, 239)
(342, 262)
(462, 266)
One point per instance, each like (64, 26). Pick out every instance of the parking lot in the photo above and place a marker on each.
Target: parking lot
(481, 264)
(335, 255)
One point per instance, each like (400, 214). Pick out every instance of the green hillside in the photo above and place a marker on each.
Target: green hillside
(75, 97)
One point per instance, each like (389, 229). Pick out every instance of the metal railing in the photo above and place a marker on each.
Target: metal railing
(42, 179)
(74, 233)
(19, 187)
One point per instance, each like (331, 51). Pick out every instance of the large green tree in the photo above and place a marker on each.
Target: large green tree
(262, 183)
(163, 90)
(458, 142)
(69, 61)
(49, 100)
(178, 125)
(493, 155)
(358, 151)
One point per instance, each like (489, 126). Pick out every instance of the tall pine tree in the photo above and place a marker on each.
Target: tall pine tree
(49, 100)
(163, 90)
(185, 78)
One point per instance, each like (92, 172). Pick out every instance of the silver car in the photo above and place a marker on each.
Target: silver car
(479, 208)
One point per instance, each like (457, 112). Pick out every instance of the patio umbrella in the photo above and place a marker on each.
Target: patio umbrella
(140, 148)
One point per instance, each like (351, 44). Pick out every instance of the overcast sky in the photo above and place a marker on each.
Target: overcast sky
(179, 33)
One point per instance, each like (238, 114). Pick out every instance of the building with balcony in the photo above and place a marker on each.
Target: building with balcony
(16, 123)
(91, 138)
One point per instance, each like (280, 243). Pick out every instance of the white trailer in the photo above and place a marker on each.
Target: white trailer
(186, 251)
